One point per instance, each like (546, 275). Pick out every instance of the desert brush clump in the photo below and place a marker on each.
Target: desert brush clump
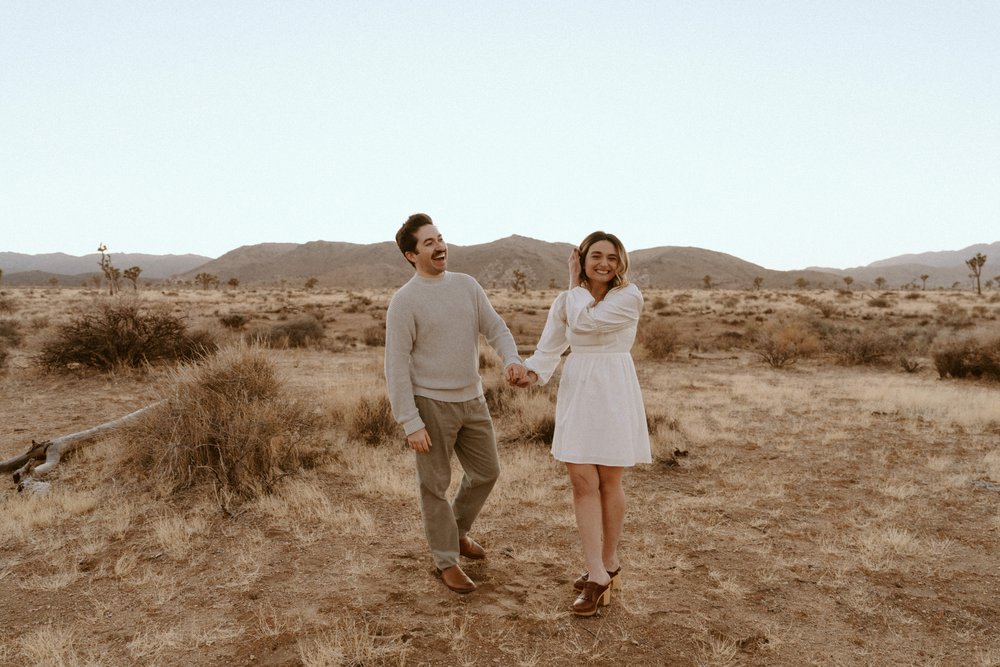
(659, 338)
(234, 321)
(298, 332)
(370, 421)
(227, 420)
(122, 332)
(968, 357)
(7, 304)
(868, 347)
(10, 333)
(782, 344)
(374, 336)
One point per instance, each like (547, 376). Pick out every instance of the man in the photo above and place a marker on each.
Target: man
(432, 371)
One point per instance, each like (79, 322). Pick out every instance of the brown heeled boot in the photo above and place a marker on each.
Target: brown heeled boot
(592, 597)
(583, 578)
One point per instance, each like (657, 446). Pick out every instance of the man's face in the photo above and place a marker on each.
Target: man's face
(431, 254)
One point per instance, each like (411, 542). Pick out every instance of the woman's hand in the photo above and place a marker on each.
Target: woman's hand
(574, 268)
(527, 380)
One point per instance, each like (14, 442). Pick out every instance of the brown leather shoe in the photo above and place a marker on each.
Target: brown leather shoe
(469, 548)
(583, 578)
(455, 579)
(592, 597)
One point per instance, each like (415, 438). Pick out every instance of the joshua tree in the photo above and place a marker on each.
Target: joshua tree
(880, 282)
(112, 274)
(976, 265)
(708, 281)
(519, 281)
(757, 282)
(233, 282)
(311, 282)
(923, 279)
(206, 280)
(801, 283)
(132, 275)
(848, 281)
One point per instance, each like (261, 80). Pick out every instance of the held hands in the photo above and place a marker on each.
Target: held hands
(515, 374)
(519, 376)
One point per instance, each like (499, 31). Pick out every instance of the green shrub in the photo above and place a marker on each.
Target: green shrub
(120, 332)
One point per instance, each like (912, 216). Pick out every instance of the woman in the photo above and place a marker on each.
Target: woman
(600, 419)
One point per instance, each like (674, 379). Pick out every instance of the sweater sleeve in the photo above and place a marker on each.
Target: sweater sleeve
(619, 309)
(400, 332)
(495, 329)
(552, 342)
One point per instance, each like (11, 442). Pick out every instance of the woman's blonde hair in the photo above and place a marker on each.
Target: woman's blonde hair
(621, 275)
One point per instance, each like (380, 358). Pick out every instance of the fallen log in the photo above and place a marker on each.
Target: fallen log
(51, 451)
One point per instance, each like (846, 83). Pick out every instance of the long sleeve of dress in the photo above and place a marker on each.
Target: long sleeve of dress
(552, 343)
(619, 309)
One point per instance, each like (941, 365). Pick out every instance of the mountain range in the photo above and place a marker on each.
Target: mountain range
(538, 264)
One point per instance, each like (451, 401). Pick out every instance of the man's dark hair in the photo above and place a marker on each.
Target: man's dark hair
(406, 237)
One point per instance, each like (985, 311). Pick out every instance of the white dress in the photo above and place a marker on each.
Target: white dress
(600, 417)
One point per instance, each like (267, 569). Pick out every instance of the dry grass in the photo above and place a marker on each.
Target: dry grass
(820, 514)
(226, 419)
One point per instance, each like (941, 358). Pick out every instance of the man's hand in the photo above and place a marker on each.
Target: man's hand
(419, 441)
(515, 374)
(529, 379)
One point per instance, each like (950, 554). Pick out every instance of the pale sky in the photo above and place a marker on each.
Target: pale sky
(789, 134)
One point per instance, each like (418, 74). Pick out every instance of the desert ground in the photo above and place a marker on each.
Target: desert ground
(820, 495)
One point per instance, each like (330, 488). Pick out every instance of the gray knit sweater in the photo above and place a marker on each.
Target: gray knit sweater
(432, 332)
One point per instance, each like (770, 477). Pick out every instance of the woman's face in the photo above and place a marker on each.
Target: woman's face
(601, 263)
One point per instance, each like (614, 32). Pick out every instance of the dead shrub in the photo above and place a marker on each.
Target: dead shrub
(529, 415)
(234, 321)
(968, 358)
(498, 394)
(7, 304)
(370, 420)
(120, 332)
(299, 332)
(785, 343)
(374, 336)
(954, 316)
(659, 338)
(866, 348)
(10, 333)
(880, 302)
(226, 420)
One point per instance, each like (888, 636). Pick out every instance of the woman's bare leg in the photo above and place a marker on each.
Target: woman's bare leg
(589, 517)
(612, 513)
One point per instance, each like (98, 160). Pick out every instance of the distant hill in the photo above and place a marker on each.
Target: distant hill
(543, 264)
(72, 270)
(942, 268)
